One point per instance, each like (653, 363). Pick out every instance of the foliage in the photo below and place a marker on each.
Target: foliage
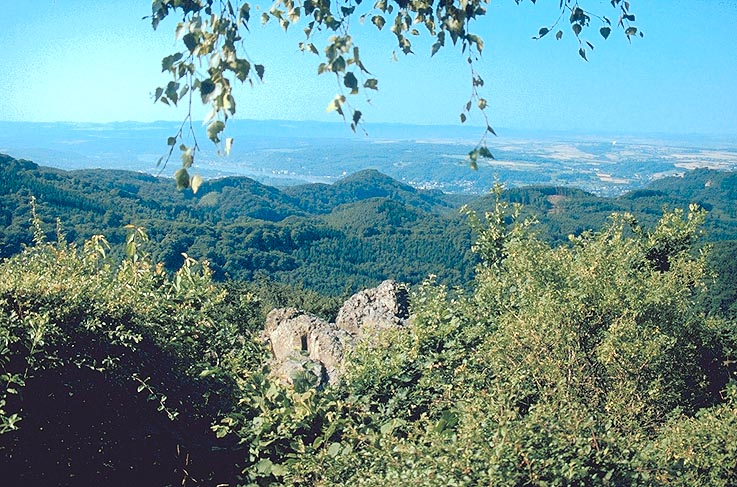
(114, 373)
(331, 239)
(213, 34)
(586, 363)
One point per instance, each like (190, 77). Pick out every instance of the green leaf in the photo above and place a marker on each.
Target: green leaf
(338, 65)
(335, 448)
(245, 13)
(214, 129)
(195, 183)
(242, 68)
(169, 61)
(350, 81)
(207, 87)
(260, 71)
(187, 158)
(582, 53)
(630, 31)
(190, 41)
(336, 104)
(264, 466)
(474, 39)
(278, 470)
(371, 84)
(181, 177)
(221, 431)
(378, 21)
(439, 43)
(171, 91)
(208, 372)
(473, 157)
(542, 32)
(605, 31)
(558, 35)
(435, 48)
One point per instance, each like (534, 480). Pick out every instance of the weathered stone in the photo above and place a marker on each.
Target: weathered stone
(289, 330)
(385, 306)
(302, 343)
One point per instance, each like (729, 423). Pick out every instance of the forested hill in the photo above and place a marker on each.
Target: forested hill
(330, 238)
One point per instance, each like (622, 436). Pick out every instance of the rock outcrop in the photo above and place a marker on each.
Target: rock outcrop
(308, 348)
(385, 306)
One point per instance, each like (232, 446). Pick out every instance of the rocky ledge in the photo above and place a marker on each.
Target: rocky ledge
(309, 348)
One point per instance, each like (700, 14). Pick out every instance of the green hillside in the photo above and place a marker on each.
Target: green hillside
(333, 239)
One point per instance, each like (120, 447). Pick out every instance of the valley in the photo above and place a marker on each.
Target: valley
(332, 239)
(281, 153)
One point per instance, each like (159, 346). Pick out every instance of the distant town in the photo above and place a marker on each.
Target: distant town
(283, 153)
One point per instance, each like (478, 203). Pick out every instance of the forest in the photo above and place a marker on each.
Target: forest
(332, 239)
(557, 338)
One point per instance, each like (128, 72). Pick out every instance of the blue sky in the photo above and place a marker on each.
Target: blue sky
(98, 61)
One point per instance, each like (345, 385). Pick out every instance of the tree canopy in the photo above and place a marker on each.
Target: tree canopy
(213, 51)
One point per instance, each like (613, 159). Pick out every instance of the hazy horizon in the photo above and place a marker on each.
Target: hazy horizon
(283, 153)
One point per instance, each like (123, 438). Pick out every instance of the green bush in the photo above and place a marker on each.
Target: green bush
(584, 364)
(113, 374)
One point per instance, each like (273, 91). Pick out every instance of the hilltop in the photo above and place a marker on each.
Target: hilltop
(332, 238)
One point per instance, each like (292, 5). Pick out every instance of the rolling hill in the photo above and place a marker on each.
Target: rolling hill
(333, 239)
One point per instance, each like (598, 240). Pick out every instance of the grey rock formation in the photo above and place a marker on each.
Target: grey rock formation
(382, 307)
(307, 348)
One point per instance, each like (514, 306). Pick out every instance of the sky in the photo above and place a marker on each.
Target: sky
(99, 61)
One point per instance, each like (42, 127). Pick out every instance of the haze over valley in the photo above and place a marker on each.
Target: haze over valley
(283, 153)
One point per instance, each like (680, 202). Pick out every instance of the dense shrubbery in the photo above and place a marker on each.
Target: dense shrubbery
(587, 364)
(590, 363)
(112, 374)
